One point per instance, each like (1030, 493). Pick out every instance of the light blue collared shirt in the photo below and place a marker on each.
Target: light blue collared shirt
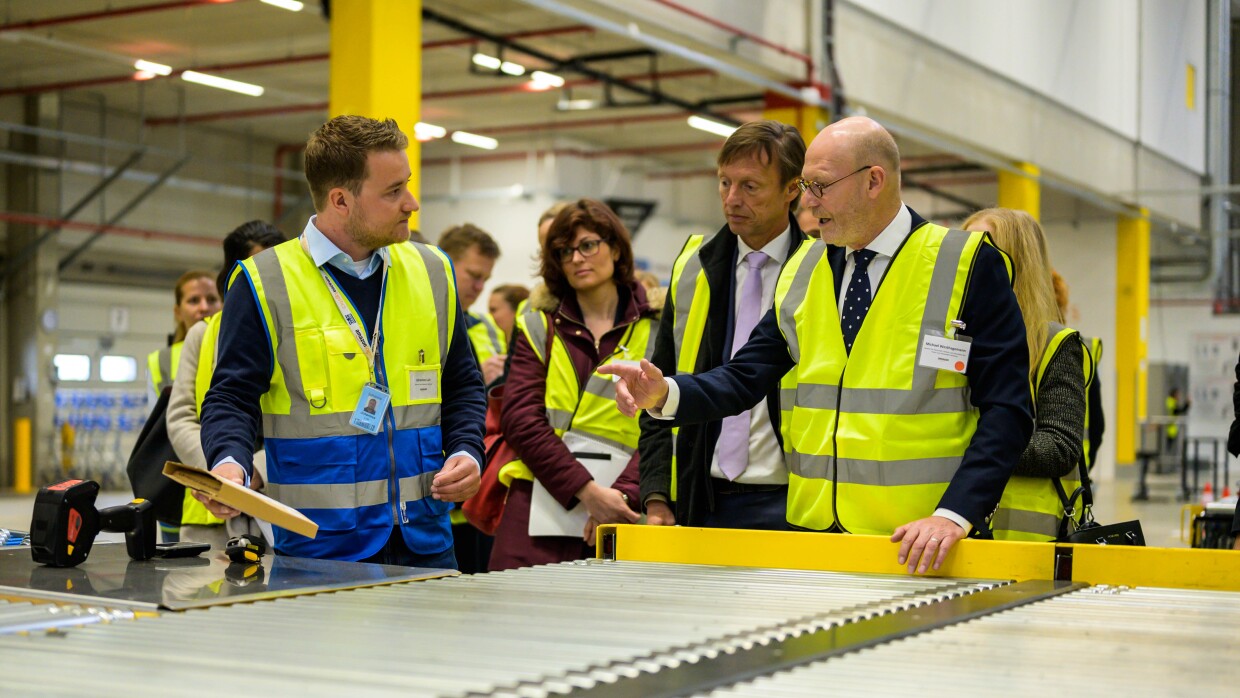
(324, 251)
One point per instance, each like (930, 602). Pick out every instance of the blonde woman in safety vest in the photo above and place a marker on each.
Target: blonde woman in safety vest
(1060, 371)
(194, 378)
(559, 412)
(197, 296)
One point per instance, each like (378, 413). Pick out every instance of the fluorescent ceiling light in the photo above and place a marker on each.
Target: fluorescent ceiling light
(290, 5)
(154, 68)
(576, 104)
(512, 68)
(486, 61)
(244, 88)
(467, 138)
(427, 132)
(545, 81)
(711, 126)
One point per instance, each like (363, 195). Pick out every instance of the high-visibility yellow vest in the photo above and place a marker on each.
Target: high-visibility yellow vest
(356, 486)
(690, 293)
(1030, 509)
(193, 512)
(589, 410)
(872, 439)
(1093, 346)
(162, 366)
(486, 337)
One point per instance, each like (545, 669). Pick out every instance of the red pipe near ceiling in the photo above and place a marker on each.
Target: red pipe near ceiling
(589, 123)
(737, 31)
(132, 77)
(30, 219)
(108, 14)
(238, 114)
(577, 152)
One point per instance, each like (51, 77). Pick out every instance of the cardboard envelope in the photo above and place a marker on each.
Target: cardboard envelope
(242, 498)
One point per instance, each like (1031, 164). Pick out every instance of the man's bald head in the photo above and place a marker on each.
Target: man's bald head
(856, 166)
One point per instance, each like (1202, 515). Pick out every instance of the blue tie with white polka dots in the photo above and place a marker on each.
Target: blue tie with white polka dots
(857, 298)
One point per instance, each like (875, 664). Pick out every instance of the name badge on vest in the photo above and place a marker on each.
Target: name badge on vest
(424, 384)
(371, 406)
(945, 354)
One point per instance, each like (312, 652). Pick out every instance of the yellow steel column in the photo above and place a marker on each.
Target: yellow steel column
(1022, 191)
(376, 67)
(1132, 307)
(808, 120)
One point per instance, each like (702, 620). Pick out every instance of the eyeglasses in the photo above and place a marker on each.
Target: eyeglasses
(820, 189)
(587, 248)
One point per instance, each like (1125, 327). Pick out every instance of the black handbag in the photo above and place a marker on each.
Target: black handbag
(146, 465)
(1089, 531)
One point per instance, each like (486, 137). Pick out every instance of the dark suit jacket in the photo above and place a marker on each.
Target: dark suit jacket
(998, 375)
(696, 443)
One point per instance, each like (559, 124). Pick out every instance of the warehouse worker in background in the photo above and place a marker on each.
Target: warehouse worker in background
(727, 473)
(193, 378)
(917, 438)
(473, 253)
(196, 297)
(316, 327)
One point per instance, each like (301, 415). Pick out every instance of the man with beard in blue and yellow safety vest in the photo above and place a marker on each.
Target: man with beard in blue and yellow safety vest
(315, 328)
(900, 353)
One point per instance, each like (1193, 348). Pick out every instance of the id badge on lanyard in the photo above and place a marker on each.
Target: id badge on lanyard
(373, 402)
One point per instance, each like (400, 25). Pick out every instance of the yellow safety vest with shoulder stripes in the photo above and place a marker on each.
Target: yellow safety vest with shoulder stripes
(1030, 509)
(486, 337)
(589, 410)
(162, 366)
(356, 486)
(193, 512)
(873, 438)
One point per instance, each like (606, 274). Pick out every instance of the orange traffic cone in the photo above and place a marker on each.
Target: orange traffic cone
(1226, 490)
(1207, 493)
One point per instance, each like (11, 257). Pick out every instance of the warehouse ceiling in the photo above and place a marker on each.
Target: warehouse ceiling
(83, 52)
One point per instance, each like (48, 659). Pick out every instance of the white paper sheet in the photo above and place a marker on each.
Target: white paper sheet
(604, 461)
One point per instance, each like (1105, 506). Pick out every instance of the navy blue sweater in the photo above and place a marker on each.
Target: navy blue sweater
(232, 419)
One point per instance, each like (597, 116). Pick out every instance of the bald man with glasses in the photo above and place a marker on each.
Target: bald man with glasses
(899, 347)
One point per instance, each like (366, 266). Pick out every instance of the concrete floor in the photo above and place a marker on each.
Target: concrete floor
(1159, 517)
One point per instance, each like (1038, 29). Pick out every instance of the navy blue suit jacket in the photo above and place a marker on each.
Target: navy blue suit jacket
(998, 376)
(232, 418)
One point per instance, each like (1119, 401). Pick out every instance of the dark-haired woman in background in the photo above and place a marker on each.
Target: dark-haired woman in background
(590, 312)
(190, 386)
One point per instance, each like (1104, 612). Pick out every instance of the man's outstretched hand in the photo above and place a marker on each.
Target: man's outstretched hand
(641, 386)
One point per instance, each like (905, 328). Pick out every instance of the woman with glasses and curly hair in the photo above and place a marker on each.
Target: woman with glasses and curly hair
(559, 414)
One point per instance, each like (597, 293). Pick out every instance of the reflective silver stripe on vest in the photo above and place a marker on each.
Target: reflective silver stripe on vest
(537, 329)
(610, 442)
(855, 471)
(438, 278)
(559, 419)
(878, 400)
(492, 334)
(296, 423)
(1026, 521)
(796, 296)
(165, 368)
(686, 286)
(938, 301)
(417, 486)
(602, 387)
(330, 496)
(337, 423)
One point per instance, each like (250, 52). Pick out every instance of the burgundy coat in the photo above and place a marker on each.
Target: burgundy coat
(525, 426)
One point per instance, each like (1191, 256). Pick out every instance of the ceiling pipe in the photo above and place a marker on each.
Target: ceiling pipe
(576, 152)
(587, 123)
(651, 93)
(108, 14)
(265, 63)
(31, 219)
(810, 73)
(428, 96)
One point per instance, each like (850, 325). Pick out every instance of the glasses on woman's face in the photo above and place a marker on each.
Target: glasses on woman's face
(587, 248)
